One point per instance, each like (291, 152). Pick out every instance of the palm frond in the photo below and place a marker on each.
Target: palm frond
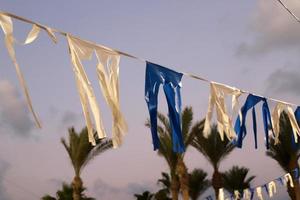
(198, 183)
(213, 148)
(236, 179)
(286, 151)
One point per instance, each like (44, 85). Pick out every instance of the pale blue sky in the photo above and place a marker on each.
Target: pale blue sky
(253, 45)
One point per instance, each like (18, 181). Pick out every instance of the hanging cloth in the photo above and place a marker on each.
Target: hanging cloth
(7, 27)
(240, 124)
(297, 113)
(237, 195)
(108, 76)
(218, 93)
(247, 194)
(221, 194)
(278, 109)
(259, 193)
(171, 81)
(272, 188)
(288, 179)
(109, 83)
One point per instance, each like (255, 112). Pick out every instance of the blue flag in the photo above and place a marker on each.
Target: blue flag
(157, 75)
(240, 124)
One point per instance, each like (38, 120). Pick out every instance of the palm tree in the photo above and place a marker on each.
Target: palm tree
(165, 182)
(236, 179)
(178, 169)
(66, 194)
(214, 150)
(286, 153)
(145, 196)
(197, 183)
(81, 152)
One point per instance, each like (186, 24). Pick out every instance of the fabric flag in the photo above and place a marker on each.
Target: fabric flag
(209, 198)
(237, 195)
(247, 194)
(7, 27)
(221, 194)
(296, 173)
(272, 188)
(240, 124)
(266, 188)
(259, 193)
(288, 180)
(297, 113)
(109, 83)
(278, 109)
(157, 75)
(218, 94)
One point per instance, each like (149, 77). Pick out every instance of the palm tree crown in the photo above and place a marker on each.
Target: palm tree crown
(178, 170)
(81, 152)
(213, 149)
(236, 179)
(198, 183)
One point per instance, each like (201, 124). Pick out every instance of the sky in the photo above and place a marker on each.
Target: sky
(253, 45)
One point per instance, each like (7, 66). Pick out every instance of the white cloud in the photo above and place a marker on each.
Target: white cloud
(275, 29)
(284, 81)
(14, 115)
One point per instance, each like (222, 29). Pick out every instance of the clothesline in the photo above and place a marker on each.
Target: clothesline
(47, 28)
(271, 188)
(289, 11)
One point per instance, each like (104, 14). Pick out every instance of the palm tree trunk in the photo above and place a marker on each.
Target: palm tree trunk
(297, 189)
(217, 181)
(183, 178)
(77, 188)
(294, 192)
(174, 186)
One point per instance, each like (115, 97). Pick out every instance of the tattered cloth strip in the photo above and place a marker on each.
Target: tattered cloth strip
(218, 93)
(259, 193)
(272, 188)
(288, 180)
(109, 83)
(237, 195)
(157, 75)
(247, 194)
(221, 194)
(240, 124)
(7, 27)
(278, 109)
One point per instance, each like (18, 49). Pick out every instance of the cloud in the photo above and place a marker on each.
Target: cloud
(14, 115)
(274, 28)
(69, 117)
(4, 166)
(105, 191)
(284, 81)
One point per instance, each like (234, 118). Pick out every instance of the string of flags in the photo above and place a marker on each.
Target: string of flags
(107, 70)
(270, 188)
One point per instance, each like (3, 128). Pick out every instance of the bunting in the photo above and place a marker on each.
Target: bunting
(109, 83)
(279, 108)
(270, 188)
(107, 71)
(240, 124)
(7, 28)
(155, 76)
(218, 93)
